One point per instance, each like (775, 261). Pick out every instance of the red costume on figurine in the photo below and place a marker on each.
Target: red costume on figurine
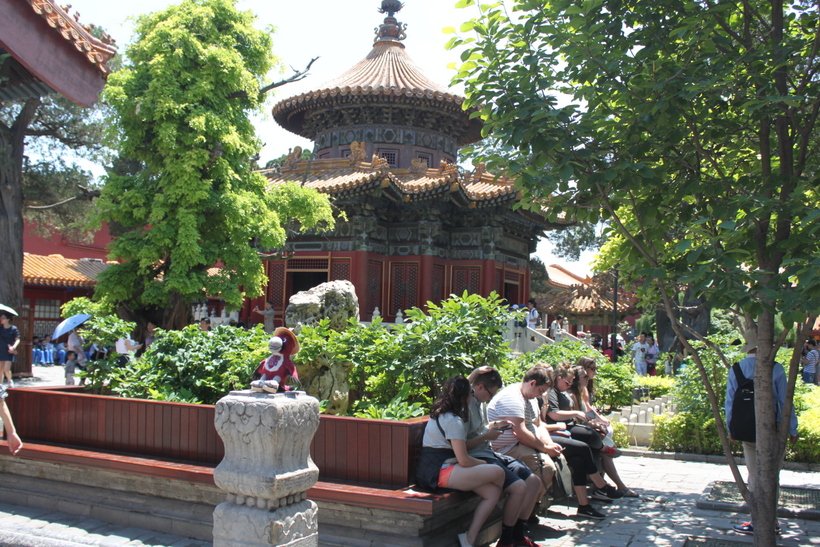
(275, 371)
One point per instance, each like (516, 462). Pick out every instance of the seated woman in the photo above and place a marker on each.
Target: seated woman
(444, 461)
(582, 445)
(580, 401)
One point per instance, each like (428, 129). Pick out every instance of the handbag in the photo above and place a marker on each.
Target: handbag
(562, 480)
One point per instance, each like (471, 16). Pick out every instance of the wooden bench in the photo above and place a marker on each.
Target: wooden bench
(84, 482)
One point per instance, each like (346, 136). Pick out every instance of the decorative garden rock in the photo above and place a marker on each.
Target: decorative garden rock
(335, 300)
(266, 470)
(323, 377)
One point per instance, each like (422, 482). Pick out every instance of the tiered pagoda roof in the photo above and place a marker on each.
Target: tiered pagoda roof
(386, 76)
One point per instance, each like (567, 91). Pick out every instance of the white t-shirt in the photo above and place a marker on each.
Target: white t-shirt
(532, 318)
(510, 403)
(638, 355)
(75, 344)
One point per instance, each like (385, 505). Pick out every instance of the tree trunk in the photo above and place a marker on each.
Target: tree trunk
(12, 145)
(769, 446)
(177, 314)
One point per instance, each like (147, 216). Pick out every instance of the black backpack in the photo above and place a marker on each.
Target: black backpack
(742, 426)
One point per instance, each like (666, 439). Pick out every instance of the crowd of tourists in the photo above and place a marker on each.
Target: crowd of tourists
(528, 442)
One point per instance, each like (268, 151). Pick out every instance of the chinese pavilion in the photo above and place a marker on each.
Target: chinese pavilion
(417, 228)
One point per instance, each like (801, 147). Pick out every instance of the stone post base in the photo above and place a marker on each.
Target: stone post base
(295, 525)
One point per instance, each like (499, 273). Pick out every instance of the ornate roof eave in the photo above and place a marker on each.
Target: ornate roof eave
(291, 112)
(98, 52)
(477, 190)
(58, 53)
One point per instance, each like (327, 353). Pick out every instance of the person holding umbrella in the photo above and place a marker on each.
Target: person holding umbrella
(75, 340)
(9, 340)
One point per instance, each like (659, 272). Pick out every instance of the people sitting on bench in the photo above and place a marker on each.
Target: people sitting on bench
(528, 440)
(445, 463)
(521, 486)
(582, 445)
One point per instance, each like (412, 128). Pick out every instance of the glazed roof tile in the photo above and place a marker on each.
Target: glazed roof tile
(338, 176)
(561, 278)
(57, 271)
(586, 300)
(387, 72)
(97, 51)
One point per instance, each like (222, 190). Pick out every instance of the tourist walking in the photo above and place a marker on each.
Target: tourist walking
(810, 363)
(9, 341)
(268, 314)
(739, 427)
(639, 350)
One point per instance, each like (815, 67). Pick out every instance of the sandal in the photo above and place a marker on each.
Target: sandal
(629, 493)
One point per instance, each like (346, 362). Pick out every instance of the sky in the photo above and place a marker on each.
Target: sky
(340, 34)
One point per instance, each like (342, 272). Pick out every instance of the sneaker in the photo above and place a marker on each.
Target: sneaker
(607, 493)
(748, 529)
(11, 384)
(590, 512)
(462, 540)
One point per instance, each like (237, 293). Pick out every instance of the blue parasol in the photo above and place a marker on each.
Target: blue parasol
(69, 324)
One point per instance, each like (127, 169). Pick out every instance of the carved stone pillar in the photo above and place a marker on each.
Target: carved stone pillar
(266, 470)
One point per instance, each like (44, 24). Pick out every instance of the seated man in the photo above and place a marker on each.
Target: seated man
(528, 440)
(520, 485)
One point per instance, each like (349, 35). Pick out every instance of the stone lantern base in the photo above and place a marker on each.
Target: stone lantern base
(241, 526)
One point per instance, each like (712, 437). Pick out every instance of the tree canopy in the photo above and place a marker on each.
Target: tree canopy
(191, 200)
(691, 128)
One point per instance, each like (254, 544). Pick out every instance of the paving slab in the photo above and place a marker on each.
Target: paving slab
(795, 502)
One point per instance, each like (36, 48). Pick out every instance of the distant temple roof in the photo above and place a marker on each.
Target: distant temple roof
(57, 271)
(561, 278)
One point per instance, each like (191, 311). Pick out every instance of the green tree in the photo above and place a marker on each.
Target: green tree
(538, 277)
(41, 141)
(194, 201)
(691, 127)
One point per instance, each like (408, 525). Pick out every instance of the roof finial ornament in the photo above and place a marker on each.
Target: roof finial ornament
(391, 29)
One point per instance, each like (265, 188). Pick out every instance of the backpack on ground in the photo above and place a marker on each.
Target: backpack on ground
(742, 426)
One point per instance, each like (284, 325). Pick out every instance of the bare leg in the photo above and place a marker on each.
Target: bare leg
(581, 494)
(517, 492)
(7, 370)
(486, 480)
(609, 468)
(534, 493)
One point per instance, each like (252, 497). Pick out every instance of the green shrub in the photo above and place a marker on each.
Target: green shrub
(619, 435)
(193, 366)
(411, 361)
(807, 448)
(658, 385)
(685, 432)
(614, 384)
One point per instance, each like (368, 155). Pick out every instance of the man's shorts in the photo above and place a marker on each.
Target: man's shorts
(538, 462)
(513, 469)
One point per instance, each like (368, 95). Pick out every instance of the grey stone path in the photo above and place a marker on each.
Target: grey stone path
(664, 515)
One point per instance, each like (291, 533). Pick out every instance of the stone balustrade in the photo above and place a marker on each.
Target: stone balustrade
(638, 418)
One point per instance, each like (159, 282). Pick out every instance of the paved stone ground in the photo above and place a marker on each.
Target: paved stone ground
(664, 515)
